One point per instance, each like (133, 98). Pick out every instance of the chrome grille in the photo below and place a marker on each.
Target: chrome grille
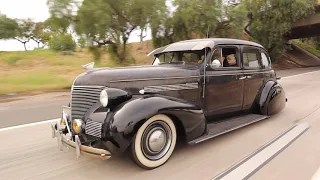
(82, 98)
(93, 128)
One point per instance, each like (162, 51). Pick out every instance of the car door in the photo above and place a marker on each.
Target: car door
(254, 76)
(224, 86)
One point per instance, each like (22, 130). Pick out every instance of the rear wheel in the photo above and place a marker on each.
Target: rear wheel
(154, 142)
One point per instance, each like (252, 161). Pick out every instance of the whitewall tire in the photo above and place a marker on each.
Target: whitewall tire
(154, 142)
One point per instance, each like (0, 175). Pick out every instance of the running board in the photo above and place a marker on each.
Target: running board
(216, 129)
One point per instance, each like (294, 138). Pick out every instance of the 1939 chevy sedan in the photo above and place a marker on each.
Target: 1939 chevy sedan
(194, 90)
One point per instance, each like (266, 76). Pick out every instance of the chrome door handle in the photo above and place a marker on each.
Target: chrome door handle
(249, 77)
(243, 77)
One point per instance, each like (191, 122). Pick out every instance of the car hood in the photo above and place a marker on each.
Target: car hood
(138, 76)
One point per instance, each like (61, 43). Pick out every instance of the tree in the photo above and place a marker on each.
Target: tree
(108, 22)
(41, 34)
(199, 19)
(142, 35)
(57, 25)
(104, 22)
(24, 35)
(63, 13)
(8, 27)
(272, 19)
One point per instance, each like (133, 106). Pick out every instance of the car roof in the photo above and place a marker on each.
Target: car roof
(226, 41)
(199, 44)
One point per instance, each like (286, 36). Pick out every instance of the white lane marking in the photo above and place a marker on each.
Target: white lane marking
(27, 125)
(32, 124)
(316, 175)
(300, 74)
(245, 168)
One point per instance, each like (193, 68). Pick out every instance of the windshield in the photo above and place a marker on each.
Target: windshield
(181, 57)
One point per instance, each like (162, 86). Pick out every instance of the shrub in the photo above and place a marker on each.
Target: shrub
(63, 42)
(82, 42)
(12, 59)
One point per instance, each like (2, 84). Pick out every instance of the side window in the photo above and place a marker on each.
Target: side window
(265, 60)
(224, 57)
(191, 58)
(251, 57)
(164, 58)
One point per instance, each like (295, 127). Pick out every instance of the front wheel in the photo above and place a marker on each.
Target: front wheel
(154, 142)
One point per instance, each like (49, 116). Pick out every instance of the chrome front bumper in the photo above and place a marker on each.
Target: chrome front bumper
(66, 140)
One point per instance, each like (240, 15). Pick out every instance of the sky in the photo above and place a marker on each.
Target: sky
(34, 9)
(38, 11)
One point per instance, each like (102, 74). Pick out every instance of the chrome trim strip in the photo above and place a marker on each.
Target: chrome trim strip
(130, 80)
(89, 86)
(171, 87)
(213, 75)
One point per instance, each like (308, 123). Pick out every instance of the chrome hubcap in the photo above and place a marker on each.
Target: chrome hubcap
(156, 140)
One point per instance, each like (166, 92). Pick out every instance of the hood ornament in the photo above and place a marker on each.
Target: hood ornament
(88, 66)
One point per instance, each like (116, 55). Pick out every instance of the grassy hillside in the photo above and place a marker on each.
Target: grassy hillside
(307, 47)
(45, 70)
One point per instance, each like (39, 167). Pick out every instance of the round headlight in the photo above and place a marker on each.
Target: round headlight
(78, 126)
(104, 98)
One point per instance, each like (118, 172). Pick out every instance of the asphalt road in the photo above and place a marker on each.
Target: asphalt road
(30, 153)
(32, 109)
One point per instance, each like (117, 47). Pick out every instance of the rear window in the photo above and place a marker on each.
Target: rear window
(251, 57)
(265, 60)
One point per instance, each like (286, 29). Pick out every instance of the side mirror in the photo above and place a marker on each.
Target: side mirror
(215, 64)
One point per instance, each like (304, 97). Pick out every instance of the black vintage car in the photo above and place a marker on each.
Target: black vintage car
(193, 91)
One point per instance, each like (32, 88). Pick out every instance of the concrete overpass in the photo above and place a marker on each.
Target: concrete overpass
(308, 27)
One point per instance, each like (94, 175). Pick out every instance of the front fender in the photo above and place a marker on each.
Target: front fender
(128, 117)
(272, 99)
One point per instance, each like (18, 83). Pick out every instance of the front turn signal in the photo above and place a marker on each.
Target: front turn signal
(78, 126)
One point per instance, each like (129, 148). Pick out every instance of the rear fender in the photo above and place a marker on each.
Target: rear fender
(128, 118)
(272, 99)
